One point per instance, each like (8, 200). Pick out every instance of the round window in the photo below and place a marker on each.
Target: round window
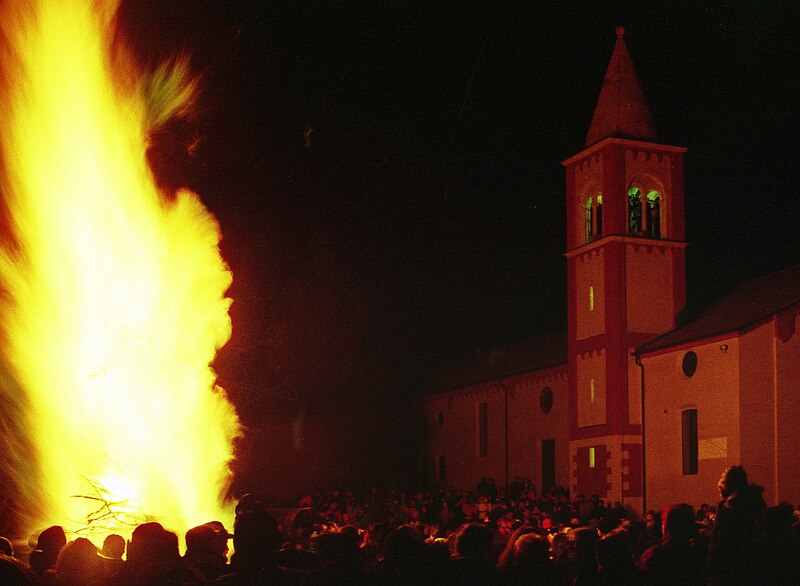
(546, 400)
(689, 363)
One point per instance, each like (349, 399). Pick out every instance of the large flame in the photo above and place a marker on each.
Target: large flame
(113, 295)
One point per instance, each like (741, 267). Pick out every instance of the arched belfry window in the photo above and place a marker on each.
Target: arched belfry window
(588, 216)
(593, 217)
(644, 212)
(653, 214)
(598, 216)
(635, 211)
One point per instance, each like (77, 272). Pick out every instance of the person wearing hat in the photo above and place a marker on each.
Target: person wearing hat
(221, 537)
(49, 543)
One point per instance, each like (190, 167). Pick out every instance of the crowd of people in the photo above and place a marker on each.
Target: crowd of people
(454, 537)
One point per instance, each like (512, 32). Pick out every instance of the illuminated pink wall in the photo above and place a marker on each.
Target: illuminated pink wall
(787, 413)
(713, 391)
(745, 390)
(457, 439)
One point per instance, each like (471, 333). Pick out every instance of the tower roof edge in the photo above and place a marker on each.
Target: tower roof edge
(621, 110)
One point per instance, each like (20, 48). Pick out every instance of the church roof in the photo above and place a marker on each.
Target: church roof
(537, 354)
(621, 109)
(750, 305)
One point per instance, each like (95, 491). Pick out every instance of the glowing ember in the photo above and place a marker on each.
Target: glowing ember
(113, 297)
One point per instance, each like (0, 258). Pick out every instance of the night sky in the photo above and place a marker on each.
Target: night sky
(425, 218)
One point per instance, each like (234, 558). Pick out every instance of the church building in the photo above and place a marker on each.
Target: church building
(630, 403)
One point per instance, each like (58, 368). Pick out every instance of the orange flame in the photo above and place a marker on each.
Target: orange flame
(113, 296)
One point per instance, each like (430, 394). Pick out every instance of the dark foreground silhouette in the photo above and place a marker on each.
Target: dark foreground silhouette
(455, 537)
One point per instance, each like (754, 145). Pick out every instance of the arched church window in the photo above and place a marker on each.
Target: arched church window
(653, 214)
(635, 211)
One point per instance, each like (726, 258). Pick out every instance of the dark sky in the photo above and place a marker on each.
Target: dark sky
(427, 219)
(434, 172)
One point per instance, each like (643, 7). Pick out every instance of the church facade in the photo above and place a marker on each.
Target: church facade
(630, 404)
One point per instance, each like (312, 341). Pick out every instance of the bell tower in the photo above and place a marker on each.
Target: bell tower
(625, 278)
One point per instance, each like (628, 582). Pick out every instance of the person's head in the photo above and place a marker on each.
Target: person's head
(474, 541)
(403, 546)
(11, 574)
(506, 559)
(52, 539)
(201, 540)
(113, 547)
(613, 550)
(247, 503)
(531, 550)
(732, 481)
(148, 543)
(677, 520)
(48, 544)
(221, 536)
(583, 545)
(778, 520)
(559, 545)
(350, 530)
(255, 535)
(78, 563)
(172, 550)
(607, 524)
(6, 547)
(336, 548)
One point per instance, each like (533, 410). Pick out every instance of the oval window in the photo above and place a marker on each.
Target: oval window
(546, 400)
(689, 363)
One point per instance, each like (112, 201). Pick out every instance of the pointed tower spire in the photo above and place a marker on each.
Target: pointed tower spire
(621, 108)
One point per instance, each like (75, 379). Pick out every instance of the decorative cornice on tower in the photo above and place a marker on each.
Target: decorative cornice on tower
(621, 108)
